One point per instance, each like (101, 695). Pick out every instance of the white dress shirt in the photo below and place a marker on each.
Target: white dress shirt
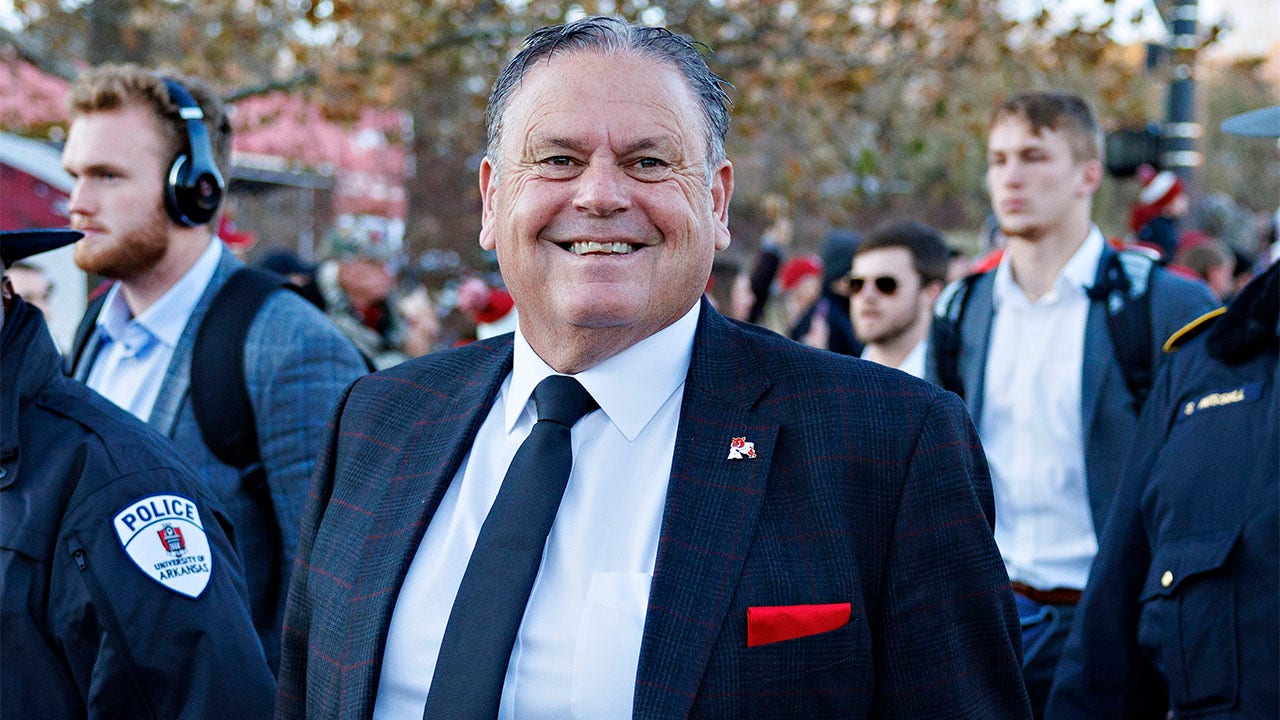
(578, 646)
(913, 363)
(135, 352)
(1031, 424)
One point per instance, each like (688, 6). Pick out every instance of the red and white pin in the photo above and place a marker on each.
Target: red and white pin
(739, 448)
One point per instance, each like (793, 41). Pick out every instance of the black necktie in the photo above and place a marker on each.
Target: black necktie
(486, 614)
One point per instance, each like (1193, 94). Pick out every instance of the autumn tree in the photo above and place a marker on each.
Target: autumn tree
(856, 110)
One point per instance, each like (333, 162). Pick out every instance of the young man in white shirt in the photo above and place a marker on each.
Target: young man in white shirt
(1033, 356)
(896, 276)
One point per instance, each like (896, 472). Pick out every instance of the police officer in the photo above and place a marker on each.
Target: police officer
(120, 593)
(1182, 609)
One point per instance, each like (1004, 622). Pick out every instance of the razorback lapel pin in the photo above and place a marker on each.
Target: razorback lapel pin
(739, 448)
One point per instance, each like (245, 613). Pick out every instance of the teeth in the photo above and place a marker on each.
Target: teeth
(582, 247)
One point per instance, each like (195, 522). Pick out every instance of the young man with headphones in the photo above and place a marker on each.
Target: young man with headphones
(145, 152)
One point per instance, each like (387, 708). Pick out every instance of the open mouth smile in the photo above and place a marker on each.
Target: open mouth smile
(590, 247)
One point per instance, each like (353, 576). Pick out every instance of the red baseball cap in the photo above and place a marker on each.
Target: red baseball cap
(797, 269)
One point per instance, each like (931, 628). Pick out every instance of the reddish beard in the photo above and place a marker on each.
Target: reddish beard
(127, 256)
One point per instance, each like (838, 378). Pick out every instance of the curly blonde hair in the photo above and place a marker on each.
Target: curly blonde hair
(111, 87)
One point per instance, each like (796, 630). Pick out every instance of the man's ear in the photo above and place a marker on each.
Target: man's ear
(931, 292)
(6, 298)
(721, 193)
(488, 185)
(1091, 176)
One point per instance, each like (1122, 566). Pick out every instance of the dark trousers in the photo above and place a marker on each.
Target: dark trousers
(1044, 631)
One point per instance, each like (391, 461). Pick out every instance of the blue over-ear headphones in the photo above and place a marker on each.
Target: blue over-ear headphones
(194, 187)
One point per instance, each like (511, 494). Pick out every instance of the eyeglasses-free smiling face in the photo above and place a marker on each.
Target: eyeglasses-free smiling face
(599, 204)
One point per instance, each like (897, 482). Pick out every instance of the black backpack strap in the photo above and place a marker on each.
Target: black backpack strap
(84, 331)
(945, 334)
(1124, 288)
(219, 397)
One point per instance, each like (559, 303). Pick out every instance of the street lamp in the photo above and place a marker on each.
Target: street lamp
(1181, 132)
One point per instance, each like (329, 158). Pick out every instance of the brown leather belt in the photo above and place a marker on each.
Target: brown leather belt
(1056, 596)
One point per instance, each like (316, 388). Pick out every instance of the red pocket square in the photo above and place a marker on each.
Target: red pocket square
(776, 623)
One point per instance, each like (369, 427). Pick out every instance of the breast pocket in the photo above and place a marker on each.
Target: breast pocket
(1188, 621)
(824, 675)
(800, 655)
(608, 649)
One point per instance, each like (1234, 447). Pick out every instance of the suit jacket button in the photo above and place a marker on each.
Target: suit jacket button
(1166, 579)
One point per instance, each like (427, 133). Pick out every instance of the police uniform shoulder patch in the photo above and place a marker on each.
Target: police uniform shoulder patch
(164, 536)
(1191, 329)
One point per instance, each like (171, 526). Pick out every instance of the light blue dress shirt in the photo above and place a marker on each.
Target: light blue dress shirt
(135, 352)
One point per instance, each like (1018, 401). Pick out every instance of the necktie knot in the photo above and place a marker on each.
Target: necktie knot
(562, 399)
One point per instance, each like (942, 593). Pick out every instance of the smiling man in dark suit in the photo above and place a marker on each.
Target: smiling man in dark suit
(722, 523)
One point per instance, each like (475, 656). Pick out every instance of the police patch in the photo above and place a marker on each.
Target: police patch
(164, 536)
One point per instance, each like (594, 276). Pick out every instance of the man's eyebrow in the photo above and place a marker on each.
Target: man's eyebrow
(98, 169)
(642, 144)
(1019, 148)
(580, 147)
(563, 143)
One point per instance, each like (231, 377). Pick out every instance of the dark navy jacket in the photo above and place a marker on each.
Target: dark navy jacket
(1182, 610)
(868, 489)
(84, 631)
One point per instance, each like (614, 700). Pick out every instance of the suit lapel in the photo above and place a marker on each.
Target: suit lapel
(709, 519)
(177, 378)
(410, 494)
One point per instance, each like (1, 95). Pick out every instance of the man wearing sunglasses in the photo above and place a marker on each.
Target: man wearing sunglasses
(897, 273)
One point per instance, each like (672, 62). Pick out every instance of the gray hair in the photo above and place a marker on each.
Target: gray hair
(611, 34)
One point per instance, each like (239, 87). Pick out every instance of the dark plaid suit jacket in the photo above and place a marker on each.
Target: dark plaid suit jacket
(869, 488)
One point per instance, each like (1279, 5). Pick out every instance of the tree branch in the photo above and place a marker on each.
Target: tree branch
(36, 54)
(310, 76)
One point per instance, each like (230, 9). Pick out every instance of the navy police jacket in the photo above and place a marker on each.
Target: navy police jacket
(1182, 609)
(120, 593)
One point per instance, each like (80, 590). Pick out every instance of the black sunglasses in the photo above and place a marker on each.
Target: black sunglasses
(886, 284)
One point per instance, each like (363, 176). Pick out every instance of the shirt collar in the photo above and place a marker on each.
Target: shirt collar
(167, 317)
(1077, 274)
(630, 386)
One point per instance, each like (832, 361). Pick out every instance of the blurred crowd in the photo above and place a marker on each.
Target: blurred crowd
(394, 309)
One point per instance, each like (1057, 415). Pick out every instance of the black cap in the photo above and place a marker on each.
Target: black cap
(286, 263)
(1255, 123)
(18, 245)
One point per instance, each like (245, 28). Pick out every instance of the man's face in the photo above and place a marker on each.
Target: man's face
(880, 317)
(598, 202)
(803, 295)
(118, 159)
(365, 281)
(1034, 179)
